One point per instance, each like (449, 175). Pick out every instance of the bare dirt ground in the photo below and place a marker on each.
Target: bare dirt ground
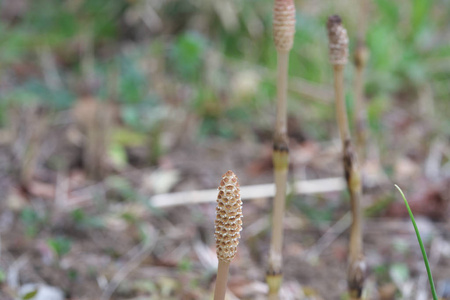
(123, 248)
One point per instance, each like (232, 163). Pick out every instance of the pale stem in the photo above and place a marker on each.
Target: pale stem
(360, 111)
(281, 121)
(273, 296)
(221, 281)
(355, 231)
(359, 100)
(278, 214)
(341, 112)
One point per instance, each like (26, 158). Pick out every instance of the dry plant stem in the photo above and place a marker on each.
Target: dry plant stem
(281, 164)
(283, 33)
(360, 60)
(359, 113)
(278, 211)
(352, 175)
(274, 281)
(282, 74)
(360, 118)
(338, 56)
(221, 281)
(274, 273)
(341, 113)
(356, 268)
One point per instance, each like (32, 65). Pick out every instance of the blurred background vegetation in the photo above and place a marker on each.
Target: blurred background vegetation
(111, 87)
(215, 60)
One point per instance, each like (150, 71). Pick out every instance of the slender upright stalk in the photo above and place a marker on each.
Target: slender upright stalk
(338, 42)
(360, 60)
(341, 111)
(221, 281)
(360, 115)
(283, 31)
(228, 226)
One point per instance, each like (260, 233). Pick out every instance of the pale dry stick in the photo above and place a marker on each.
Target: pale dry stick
(338, 43)
(257, 191)
(328, 237)
(228, 226)
(144, 249)
(283, 33)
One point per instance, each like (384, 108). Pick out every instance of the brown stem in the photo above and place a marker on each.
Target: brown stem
(280, 157)
(353, 179)
(282, 74)
(274, 284)
(281, 164)
(360, 120)
(283, 33)
(221, 281)
(341, 112)
(361, 54)
(356, 270)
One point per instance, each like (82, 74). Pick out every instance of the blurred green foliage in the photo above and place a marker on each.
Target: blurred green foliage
(2, 276)
(186, 55)
(84, 221)
(204, 46)
(32, 221)
(60, 245)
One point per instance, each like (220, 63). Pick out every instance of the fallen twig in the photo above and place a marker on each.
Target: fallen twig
(315, 186)
(144, 250)
(329, 237)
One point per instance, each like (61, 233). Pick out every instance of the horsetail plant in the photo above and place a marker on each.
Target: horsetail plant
(283, 34)
(422, 248)
(360, 117)
(228, 225)
(338, 43)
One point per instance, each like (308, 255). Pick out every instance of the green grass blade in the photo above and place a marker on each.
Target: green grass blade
(422, 248)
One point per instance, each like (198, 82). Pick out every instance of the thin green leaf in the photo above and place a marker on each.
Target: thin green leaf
(422, 248)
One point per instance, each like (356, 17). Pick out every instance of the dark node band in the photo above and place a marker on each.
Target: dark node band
(272, 272)
(281, 147)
